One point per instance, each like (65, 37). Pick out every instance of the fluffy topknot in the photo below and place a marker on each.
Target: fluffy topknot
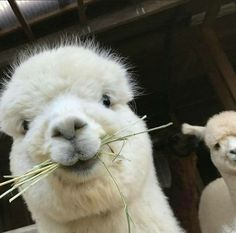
(220, 126)
(72, 40)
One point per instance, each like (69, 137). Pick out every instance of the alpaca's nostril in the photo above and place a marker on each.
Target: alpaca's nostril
(79, 125)
(56, 132)
(233, 151)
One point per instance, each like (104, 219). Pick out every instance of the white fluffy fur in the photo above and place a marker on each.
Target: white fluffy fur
(55, 85)
(217, 209)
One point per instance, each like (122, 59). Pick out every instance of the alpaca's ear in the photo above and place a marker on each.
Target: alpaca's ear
(197, 131)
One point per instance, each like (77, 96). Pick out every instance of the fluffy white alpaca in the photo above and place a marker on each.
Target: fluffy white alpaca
(217, 210)
(58, 104)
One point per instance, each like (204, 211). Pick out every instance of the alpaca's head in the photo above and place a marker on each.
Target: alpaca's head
(60, 103)
(219, 135)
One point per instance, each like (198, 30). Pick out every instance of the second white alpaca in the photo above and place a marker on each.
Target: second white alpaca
(217, 210)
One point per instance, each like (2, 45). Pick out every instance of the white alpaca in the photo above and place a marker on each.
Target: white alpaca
(58, 104)
(217, 209)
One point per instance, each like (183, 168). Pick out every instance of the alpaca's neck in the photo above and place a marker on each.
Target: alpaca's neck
(230, 180)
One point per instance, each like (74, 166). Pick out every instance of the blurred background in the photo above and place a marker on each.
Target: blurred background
(183, 54)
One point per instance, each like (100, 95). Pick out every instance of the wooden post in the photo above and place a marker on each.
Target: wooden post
(81, 10)
(203, 51)
(185, 192)
(220, 70)
(212, 13)
(21, 19)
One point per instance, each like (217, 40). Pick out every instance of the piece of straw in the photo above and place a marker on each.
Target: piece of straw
(46, 173)
(121, 195)
(37, 172)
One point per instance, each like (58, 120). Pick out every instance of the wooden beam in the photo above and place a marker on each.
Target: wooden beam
(62, 3)
(221, 60)
(221, 72)
(49, 15)
(81, 10)
(128, 14)
(103, 23)
(223, 91)
(21, 19)
(212, 12)
(225, 10)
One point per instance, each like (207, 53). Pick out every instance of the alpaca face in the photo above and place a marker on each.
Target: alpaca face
(223, 153)
(60, 103)
(219, 136)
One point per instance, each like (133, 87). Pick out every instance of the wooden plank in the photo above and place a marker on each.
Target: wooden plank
(221, 60)
(21, 19)
(212, 13)
(103, 23)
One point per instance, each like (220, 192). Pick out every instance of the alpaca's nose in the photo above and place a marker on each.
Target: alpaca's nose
(68, 127)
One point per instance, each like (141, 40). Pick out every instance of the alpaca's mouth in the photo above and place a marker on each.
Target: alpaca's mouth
(232, 163)
(231, 157)
(83, 165)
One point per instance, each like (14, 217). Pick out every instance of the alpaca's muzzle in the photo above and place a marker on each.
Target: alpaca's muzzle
(73, 141)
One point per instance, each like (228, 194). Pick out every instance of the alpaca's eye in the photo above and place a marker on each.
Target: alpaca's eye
(25, 126)
(217, 146)
(106, 100)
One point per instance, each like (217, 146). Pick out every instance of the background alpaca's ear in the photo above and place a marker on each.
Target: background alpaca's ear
(198, 131)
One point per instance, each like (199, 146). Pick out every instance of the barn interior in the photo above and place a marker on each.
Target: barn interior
(182, 55)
